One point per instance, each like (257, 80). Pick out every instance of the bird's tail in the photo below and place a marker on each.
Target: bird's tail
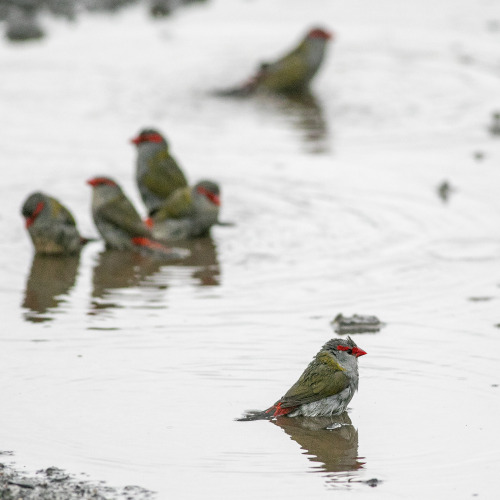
(250, 415)
(155, 249)
(274, 411)
(84, 241)
(277, 410)
(245, 89)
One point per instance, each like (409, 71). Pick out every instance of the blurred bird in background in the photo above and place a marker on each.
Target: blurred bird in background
(291, 73)
(157, 173)
(119, 223)
(51, 226)
(188, 213)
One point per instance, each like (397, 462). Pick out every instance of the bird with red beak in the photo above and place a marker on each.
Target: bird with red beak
(120, 224)
(325, 388)
(51, 226)
(189, 212)
(291, 73)
(158, 174)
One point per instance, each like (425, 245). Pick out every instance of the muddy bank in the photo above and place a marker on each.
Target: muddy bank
(57, 484)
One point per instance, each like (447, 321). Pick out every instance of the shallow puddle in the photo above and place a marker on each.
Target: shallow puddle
(134, 372)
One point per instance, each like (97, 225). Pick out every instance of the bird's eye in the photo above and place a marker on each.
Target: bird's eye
(343, 348)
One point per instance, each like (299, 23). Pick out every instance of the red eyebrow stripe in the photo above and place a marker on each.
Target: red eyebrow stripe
(211, 196)
(343, 348)
(97, 181)
(147, 138)
(34, 215)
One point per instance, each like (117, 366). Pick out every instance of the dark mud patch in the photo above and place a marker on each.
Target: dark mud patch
(357, 323)
(57, 484)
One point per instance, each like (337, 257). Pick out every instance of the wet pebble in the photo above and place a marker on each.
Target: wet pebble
(356, 324)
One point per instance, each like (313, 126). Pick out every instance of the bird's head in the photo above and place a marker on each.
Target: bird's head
(32, 207)
(344, 347)
(320, 33)
(101, 181)
(149, 135)
(210, 190)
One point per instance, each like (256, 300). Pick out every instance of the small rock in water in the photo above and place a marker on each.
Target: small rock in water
(332, 427)
(373, 482)
(54, 474)
(495, 125)
(356, 324)
(160, 8)
(444, 190)
(22, 22)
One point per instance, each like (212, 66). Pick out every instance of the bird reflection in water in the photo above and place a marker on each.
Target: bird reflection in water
(331, 443)
(305, 113)
(121, 269)
(49, 283)
(203, 260)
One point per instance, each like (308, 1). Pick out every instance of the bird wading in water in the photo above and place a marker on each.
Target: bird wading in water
(119, 223)
(157, 173)
(291, 73)
(189, 212)
(325, 388)
(51, 226)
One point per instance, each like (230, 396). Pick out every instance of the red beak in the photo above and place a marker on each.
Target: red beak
(358, 352)
(135, 140)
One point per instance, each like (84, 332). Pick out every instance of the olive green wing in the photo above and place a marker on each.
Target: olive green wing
(324, 377)
(289, 72)
(61, 213)
(178, 205)
(164, 175)
(122, 214)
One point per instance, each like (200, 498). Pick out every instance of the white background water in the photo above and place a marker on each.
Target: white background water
(134, 373)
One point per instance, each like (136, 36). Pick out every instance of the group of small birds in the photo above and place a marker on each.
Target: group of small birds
(179, 211)
(175, 210)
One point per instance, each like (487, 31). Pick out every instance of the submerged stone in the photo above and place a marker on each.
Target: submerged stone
(356, 324)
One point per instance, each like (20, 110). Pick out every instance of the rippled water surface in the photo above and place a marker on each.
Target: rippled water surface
(134, 372)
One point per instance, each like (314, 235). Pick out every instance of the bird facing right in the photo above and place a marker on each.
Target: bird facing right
(292, 73)
(190, 212)
(157, 173)
(325, 388)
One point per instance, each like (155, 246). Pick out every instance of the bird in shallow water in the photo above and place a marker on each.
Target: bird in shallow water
(119, 223)
(291, 73)
(189, 212)
(51, 226)
(157, 173)
(325, 388)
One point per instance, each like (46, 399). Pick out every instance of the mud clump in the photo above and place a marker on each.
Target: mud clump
(56, 484)
(356, 324)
